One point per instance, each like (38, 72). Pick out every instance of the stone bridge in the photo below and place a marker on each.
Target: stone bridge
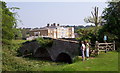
(61, 50)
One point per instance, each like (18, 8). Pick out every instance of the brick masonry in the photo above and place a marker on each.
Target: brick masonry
(68, 48)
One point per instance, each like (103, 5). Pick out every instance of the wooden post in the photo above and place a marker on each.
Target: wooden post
(113, 45)
(106, 47)
(97, 47)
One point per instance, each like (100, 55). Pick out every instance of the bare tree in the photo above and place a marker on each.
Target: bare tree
(94, 18)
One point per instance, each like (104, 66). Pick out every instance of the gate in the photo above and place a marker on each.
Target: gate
(104, 46)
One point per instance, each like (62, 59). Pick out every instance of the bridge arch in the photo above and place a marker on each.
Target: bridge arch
(42, 53)
(64, 57)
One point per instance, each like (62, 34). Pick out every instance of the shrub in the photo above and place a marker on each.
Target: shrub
(45, 42)
(6, 42)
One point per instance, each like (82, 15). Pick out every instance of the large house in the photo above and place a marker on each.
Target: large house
(52, 31)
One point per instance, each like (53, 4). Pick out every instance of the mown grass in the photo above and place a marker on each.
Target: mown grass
(103, 62)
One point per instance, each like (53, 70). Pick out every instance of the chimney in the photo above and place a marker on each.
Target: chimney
(48, 25)
(58, 24)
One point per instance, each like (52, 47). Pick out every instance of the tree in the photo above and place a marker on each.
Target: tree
(25, 32)
(88, 34)
(112, 17)
(111, 27)
(94, 18)
(18, 34)
(9, 22)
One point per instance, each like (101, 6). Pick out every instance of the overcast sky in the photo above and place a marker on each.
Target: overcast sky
(38, 14)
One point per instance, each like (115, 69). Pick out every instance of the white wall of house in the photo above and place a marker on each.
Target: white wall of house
(36, 33)
(57, 32)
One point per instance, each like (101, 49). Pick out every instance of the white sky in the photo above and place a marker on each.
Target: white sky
(38, 14)
(55, 0)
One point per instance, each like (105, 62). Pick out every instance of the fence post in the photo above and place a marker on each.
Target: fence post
(113, 45)
(97, 47)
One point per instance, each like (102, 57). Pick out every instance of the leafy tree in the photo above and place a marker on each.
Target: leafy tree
(9, 22)
(111, 27)
(90, 33)
(25, 32)
(112, 17)
(18, 34)
(94, 18)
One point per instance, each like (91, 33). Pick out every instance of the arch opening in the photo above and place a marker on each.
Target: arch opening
(42, 54)
(25, 52)
(63, 57)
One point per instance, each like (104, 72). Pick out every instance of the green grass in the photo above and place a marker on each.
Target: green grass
(103, 62)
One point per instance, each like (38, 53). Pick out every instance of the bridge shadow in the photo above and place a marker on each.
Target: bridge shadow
(39, 58)
(63, 57)
(42, 54)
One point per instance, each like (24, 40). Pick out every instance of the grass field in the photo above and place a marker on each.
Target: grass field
(103, 62)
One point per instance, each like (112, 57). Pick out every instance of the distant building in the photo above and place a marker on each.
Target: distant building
(52, 31)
